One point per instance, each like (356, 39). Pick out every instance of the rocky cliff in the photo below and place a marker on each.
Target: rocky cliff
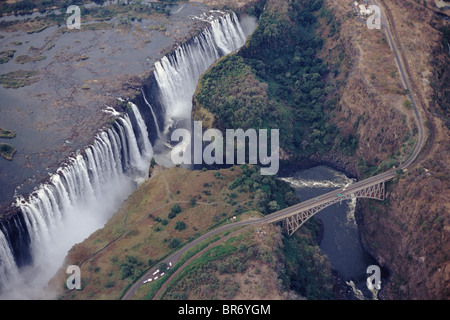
(409, 232)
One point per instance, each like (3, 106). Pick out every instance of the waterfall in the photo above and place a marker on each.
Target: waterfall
(228, 34)
(84, 192)
(177, 74)
(155, 119)
(146, 146)
(78, 199)
(8, 266)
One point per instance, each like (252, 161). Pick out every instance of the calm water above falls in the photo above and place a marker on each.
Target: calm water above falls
(72, 205)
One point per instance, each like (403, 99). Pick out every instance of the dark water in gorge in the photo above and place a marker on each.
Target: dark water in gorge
(341, 239)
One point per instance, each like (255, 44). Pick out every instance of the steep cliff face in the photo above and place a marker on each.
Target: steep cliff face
(418, 213)
(371, 94)
(377, 130)
(409, 235)
(409, 232)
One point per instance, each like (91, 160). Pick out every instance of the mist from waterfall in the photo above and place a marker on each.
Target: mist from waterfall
(177, 74)
(78, 199)
(87, 189)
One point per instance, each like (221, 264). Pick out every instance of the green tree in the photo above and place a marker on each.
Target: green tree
(162, 266)
(174, 243)
(291, 198)
(274, 206)
(176, 209)
(180, 226)
(125, 271)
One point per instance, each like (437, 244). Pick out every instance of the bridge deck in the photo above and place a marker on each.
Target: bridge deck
(294, 217)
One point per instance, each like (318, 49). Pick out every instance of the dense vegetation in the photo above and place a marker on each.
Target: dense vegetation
(233, 93)
(243, 259)
(26, 6)
(277, 81)
(308, 270)
(126, 13)
(270, 194)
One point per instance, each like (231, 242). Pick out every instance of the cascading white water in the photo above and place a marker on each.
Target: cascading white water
(227, 33)
(177, 75)
(83, 194)
(78, 200)
(155, 119)
(311, 183)
(8, 267)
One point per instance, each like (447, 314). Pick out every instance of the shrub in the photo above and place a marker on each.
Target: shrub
(408, 104)
(273, 206)
(180, 226)
(162, 266)
(174, 243)
(176, 209)
(125, 271)
(171, 215)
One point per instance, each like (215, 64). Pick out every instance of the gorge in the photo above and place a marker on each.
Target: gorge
(312, 69)
(84, 192)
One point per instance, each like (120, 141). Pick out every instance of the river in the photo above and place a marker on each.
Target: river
(72, 204)
(341, 239)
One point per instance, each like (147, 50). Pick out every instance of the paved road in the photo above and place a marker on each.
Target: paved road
(325, 198)
(174, 258)
(271, 218)
(419, 146)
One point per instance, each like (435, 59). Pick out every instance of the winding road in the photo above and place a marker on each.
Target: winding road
(333, 195)
(402, 66)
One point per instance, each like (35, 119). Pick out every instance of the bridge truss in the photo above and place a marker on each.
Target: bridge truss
(295, 221)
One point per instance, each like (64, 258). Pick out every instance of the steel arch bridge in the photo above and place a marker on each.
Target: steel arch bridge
(294, 217)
